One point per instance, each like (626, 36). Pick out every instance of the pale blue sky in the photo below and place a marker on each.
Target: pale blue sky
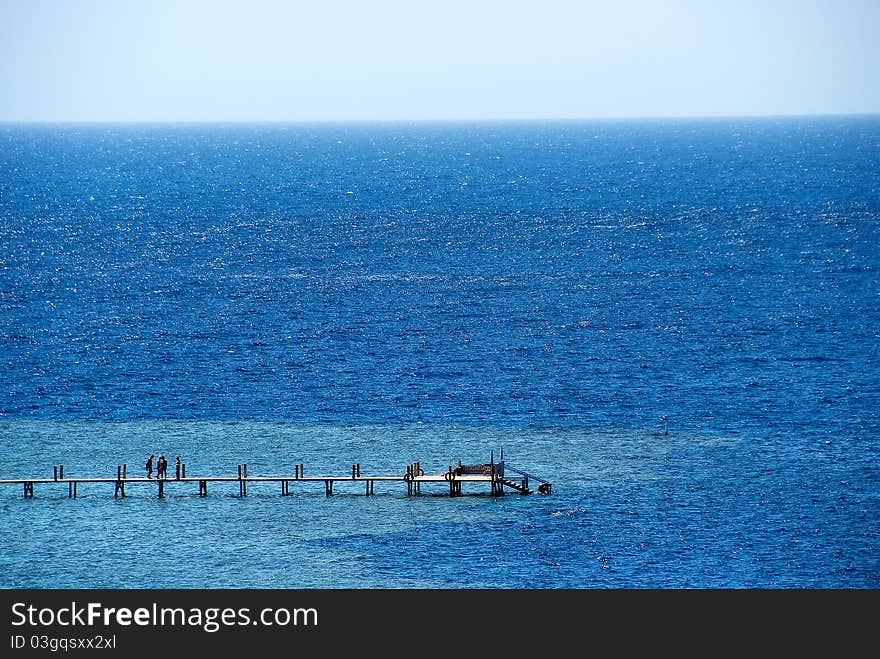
(269, 60)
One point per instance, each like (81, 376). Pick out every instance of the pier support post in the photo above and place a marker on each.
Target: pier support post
(120, 483)
(61, 472)
(417, 471)
(328, 487)
(161, 482)
(28, 490)
(55, 472)
(203, 488)
(450, 476)
(71, 490)
(242, 484)
(183, 470)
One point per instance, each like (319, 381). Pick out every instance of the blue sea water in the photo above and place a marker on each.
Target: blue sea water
(676, 322)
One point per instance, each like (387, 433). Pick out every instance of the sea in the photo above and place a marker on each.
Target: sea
(674, 322)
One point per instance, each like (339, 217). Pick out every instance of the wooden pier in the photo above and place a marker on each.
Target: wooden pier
(496, 475)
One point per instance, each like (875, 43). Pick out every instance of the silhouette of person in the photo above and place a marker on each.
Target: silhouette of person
(177, 467)
(150, 467)
(162, 467)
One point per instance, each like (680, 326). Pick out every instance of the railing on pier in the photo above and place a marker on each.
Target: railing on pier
(475, 470)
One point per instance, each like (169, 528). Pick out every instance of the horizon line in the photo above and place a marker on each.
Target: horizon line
(428, 120)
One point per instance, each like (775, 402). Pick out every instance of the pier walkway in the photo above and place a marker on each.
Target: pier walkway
(496, 475)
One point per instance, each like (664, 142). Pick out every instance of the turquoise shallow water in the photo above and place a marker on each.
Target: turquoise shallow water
(628, 507)
(384, 293)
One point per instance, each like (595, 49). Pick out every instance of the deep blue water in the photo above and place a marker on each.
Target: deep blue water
(383, 293)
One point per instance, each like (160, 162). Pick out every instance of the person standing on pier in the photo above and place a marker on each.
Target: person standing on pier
(150, 467)
(177, 467)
